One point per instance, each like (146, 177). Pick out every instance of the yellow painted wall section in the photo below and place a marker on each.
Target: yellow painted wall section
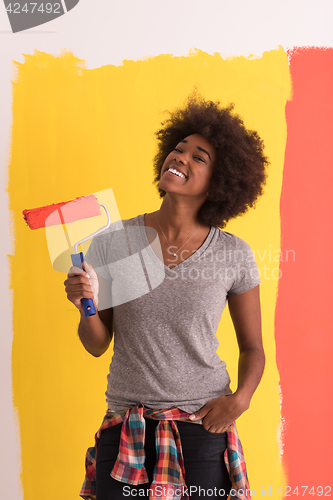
(75, 132)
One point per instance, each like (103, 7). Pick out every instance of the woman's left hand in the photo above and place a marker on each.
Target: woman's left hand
(219, 413)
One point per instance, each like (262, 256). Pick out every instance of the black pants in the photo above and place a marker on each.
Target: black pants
(205, 473)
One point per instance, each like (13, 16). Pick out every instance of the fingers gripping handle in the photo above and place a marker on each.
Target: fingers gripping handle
(87, 304)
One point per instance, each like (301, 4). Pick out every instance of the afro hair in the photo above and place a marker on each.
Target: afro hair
(239, 172)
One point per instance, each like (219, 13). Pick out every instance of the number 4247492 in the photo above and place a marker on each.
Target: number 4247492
(31, 7)
(302, 490)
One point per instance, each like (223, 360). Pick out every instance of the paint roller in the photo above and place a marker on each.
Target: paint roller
(65, 212)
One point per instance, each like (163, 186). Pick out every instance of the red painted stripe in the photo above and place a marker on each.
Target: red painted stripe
(71, 211)
(304, 319)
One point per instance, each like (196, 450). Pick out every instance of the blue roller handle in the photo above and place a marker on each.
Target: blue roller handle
(87, 304)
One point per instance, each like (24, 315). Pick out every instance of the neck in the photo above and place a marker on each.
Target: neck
(177, 217)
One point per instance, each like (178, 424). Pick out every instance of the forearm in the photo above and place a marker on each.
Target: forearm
(250, 369)
(94, 335)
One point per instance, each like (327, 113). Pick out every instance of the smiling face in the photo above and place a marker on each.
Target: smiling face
(187, 170)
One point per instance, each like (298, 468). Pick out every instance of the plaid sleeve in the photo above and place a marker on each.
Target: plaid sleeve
(236, 466)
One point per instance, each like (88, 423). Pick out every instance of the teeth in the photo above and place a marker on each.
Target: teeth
(174, 171)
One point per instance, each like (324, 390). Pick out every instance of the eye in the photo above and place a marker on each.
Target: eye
(199, 158)
(178, 150)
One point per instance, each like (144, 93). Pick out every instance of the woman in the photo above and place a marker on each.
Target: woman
(209, 169)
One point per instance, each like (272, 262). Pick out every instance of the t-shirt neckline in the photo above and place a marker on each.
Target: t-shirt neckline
(186, 262)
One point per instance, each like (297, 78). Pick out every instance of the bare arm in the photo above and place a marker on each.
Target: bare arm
(219, 413)
(96, 331)
(246, 316)
(94, 334)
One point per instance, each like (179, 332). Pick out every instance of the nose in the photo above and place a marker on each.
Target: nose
(182, 158)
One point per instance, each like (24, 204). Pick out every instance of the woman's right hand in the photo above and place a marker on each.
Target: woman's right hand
(82, 283)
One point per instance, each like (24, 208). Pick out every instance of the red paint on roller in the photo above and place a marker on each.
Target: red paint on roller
(304, 319)
(64, 212)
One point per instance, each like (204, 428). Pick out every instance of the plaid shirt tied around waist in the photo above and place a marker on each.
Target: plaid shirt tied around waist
(169, 471)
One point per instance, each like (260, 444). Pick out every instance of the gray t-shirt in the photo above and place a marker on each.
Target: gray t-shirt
(165, 320)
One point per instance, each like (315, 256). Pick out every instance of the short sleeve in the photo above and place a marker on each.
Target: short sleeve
(99, 254)
(246, 273)
(119, 254)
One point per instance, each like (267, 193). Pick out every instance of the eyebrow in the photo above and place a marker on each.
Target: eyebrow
(200, 149)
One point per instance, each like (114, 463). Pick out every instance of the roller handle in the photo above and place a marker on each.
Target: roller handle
(87, 304)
